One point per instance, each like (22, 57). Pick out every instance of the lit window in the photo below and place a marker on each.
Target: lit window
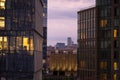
(26, 43)
(0, 43)
(103, 65)
(5, 43)
(2, 4)
(115, 77)
(115, 65)
(115, 33)
(2, 22)
(103, 23)
(31, 44)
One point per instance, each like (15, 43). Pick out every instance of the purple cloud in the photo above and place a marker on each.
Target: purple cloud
(62, 19)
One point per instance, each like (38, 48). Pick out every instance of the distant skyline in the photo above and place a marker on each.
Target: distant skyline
(62, 19)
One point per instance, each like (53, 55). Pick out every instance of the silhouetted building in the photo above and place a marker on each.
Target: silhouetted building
(69, 41)
(87, 44)
(60, 45)
(21, 37)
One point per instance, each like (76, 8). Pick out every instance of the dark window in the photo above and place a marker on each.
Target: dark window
(115, 44)
(116, 1)
(116, 11)
(116, 55)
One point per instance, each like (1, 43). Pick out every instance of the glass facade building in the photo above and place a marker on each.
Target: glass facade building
(106, 54)
(21, 38)
(108, 17)
(45, 29)
(87, 44)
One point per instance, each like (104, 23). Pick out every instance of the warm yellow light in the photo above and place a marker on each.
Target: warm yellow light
(2, 22)
(31, 44)
(2, 4)
(0, 43)
(103, 65)
(25, 43)
(115, 77)
(103, 23)
(3, 0)
(115, 33)
(115, 65)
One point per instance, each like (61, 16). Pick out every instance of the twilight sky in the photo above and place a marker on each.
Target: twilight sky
(62, 19)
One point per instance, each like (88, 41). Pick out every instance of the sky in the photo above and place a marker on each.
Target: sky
(62, 19)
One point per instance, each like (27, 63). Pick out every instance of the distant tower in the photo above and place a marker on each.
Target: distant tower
(69, 41)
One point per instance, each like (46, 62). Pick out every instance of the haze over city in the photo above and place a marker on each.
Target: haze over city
(62, 19)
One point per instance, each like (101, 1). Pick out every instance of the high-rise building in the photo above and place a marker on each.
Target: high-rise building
(69, 41)
(21, 37)
(45, 28)
(108, 59)
(87, 44)
(103, 55)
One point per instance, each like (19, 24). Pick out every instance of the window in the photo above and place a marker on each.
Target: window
(116, 1)
(2, 4)
(82, 64)
(26, 43)
(116, 11)
(2, 22)
(114, 77)
(3, 43)
(103, 23)
(115, 33)
(103, 65)
(115, 66)
(116, 44)
(103, 76)
(116, 22)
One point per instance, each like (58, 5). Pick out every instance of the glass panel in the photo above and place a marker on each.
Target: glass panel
(25, 43)
(103, 65)
(2, 22)
(115, 77)
(5, 47)
(1, 43)
(103, 23)
(18, 43)
(115, 65)
(2, 4)
(115, 33)
(31, 44)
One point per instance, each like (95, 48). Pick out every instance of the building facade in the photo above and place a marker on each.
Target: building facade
(62, 63)
(106, 50)
(45, 29)
(87, 44)
(21, 37)
(108, 17)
